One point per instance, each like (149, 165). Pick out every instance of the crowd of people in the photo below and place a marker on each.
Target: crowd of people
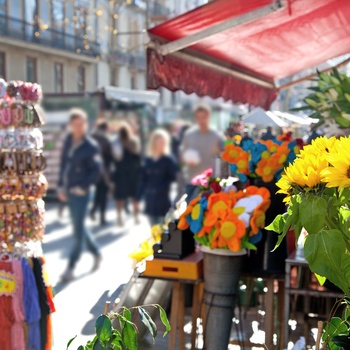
(119, 166)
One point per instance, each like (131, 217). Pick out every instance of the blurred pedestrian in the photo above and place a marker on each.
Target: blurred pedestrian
(174, 140)
(102, 188)
(158, 173)
(269, 134)
(127, 172)
(199, 147)
(246, 137)
(81, 167)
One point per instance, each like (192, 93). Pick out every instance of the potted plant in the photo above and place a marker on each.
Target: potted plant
(225, 222)
(125, 336)
(317, 190)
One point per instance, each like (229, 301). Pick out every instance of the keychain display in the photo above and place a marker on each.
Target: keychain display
(27, 186)
(21, 221)
(26, 300)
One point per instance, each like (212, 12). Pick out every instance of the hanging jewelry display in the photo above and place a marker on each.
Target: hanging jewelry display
(25, 294)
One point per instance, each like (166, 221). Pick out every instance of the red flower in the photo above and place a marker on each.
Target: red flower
(215, 187)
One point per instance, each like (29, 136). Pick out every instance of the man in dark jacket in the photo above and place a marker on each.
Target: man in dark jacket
(81, 167)
(102, 187)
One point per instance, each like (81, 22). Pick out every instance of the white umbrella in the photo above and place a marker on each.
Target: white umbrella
(259, 116)
(294, 119)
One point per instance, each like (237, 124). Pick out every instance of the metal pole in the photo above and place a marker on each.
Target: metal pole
(195, 38)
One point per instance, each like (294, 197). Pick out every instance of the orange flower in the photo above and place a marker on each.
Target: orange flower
(257, 221)
(262, 191)
(267, 169)
(183, 224)
(229, 233)
(235, 155)
(272, 146)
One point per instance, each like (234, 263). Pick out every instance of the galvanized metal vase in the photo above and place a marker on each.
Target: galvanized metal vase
(222, 269)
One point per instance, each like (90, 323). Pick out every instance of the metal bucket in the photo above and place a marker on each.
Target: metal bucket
(221, 279)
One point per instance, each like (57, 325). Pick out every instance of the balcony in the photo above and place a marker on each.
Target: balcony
(122, 58)
(158, 10)
(18, 29)
(138, 61)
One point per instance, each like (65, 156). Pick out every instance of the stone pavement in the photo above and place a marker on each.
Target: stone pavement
(80, 302)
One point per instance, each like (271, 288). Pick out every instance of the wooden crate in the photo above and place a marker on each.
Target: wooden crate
(190, 268)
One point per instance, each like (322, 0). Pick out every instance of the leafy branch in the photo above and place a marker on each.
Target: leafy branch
(125, 337)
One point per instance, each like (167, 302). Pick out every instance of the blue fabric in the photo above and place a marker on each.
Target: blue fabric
(256, 151)
(242, 177)
(31, 307)
(82, 166)
(154, 185)
(256, 238)
(197, 224)
(78, 207)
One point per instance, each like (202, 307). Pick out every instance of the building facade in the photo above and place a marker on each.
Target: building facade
(78, 46)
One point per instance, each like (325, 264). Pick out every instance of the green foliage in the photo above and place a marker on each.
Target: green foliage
(326, 217)
(336, 330)
(125, 338)
(330, 99)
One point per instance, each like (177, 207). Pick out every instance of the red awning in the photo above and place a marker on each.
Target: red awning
(256, 47)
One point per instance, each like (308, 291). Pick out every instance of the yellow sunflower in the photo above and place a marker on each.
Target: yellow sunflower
(338, 173)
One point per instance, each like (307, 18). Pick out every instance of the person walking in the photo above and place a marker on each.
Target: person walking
(102, 187)
(269, 134)
(158, 173)
(199, 147)
(127, 171)
(81, 167)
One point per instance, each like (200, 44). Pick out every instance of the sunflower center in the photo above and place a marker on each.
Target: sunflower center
(228, 229)
(348, 172)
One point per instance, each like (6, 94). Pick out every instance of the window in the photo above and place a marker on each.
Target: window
(81, 79)
(58, 77)
(133, 81)
(2, 65)
(30, 16)
(31, 69)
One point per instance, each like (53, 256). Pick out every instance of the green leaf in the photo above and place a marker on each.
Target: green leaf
(148, 322)
(71, 341)
(129, 336)
(278, 224)
(99, 346)
(342, 341)
(334, 327)
(80, 347)
(321, 280)
(325, 251)
(164, 319)
(312, 213)
(103, 328)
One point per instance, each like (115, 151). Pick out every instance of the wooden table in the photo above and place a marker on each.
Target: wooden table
(180, 272)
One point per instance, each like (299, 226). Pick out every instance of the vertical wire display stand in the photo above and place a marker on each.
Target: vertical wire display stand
(26, 298)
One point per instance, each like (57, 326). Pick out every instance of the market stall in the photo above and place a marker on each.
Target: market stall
(26, 296)
(241, 50)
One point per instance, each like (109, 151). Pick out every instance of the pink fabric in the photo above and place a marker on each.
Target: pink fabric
(17, 331)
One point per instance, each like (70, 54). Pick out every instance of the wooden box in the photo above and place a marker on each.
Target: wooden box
(190, 268)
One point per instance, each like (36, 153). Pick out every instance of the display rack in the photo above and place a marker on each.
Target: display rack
(25, 293)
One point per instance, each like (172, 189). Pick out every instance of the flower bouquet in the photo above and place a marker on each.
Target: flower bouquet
(317, 190)
(222, 217)
(260, 159)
